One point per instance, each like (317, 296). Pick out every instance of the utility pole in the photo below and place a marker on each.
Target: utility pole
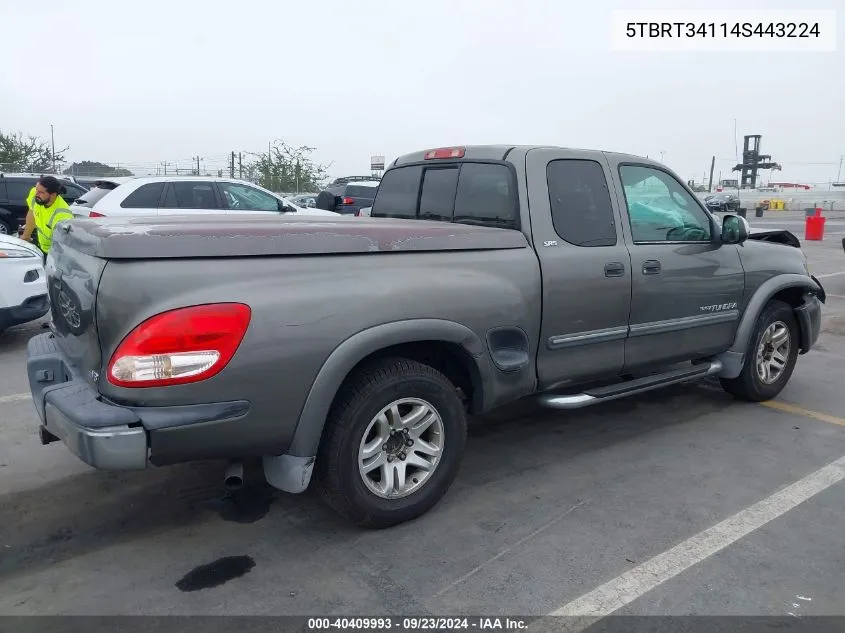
(712, 167)
(240, 165)
(232, 166)
(736, 144)
(197, 158)
(165, 164)
(53, 151)
(839, 173)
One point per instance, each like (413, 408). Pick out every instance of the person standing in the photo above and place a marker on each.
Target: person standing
(48, 208)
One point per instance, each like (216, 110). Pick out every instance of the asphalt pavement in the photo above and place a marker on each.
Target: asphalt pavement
(681, 501)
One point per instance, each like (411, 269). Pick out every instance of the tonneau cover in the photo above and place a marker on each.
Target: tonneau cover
(217, 235)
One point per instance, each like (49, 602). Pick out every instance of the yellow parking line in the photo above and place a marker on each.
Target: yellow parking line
(791, 408)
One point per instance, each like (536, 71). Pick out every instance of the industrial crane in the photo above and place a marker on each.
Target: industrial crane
(752, 160)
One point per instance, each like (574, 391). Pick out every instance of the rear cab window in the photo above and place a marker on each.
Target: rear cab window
(469, 192)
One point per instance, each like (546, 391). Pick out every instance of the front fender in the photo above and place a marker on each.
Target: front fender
(734, 358)
(356, 348)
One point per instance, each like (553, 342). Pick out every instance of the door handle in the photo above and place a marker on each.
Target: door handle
(614, 269)
(651, 267)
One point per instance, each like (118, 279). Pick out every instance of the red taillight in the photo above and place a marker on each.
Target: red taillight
(94, 214)
(349, 201)
(180, 346)
(445, 152)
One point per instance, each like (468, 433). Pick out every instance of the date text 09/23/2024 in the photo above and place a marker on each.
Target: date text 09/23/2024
(722, 30)
(417, 624)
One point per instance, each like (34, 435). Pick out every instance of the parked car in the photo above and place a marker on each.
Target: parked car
(308, 200)
(14, 188)
(353, 349)
(724, 202)
(183, 195)
(348, 199)
(23, 286)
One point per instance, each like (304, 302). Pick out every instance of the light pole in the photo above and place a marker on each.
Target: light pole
(53, 151)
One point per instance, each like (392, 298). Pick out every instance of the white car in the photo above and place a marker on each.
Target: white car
(23, 285)
(184, 195)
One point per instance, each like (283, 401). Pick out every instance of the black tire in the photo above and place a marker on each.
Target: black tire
(7, 228)
(370, 390)
(749, 385)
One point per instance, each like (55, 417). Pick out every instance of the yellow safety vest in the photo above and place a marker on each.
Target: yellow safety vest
(46, 218)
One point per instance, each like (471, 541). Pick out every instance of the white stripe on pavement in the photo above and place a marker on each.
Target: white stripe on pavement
(15, 397)
(830, 275)
(638, 581)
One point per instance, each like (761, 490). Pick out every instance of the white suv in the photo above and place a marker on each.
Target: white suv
(23, 286)
(184, 195)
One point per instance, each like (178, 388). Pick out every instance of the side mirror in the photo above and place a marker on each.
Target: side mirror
(735, 229)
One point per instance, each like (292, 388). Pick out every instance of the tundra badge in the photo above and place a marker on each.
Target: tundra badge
(719, 307)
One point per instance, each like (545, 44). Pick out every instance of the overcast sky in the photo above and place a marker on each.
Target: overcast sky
(145, 81)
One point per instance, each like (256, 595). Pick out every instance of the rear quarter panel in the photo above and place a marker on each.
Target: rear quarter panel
(303, 308)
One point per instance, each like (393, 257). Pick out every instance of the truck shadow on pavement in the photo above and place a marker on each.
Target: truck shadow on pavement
(95, 510)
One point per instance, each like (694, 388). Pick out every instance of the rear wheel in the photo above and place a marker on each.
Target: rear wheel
(771, 356)
(393, 443)
(6, 228)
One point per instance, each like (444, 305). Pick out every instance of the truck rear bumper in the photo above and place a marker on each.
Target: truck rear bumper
(106, 435)
(113, 448)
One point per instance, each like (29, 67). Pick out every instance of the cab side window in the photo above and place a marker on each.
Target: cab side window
(582, 212)
(659, 208)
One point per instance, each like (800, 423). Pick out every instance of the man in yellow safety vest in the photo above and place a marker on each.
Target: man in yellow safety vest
(46, 209)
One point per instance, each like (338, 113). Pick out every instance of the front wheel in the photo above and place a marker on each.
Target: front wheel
(771, 355)
(393, 443)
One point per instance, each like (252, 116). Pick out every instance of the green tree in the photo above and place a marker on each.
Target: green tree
(287, 169)
(27, 153)
(93, 168)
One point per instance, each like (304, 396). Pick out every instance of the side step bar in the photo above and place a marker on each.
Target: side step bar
(628, 388)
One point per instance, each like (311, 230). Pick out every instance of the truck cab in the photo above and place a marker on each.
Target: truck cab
(637, 273)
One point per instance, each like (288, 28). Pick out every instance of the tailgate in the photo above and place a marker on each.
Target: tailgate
(72, 280)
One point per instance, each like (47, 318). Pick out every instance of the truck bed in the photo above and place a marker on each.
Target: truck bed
(247, 235)
(311, 283)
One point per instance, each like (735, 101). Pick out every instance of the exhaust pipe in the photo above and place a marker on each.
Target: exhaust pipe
(234, 478)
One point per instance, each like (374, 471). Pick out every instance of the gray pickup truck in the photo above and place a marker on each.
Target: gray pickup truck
(353, 349)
